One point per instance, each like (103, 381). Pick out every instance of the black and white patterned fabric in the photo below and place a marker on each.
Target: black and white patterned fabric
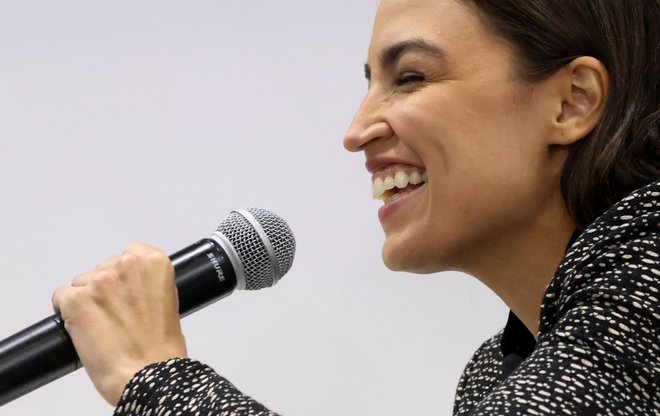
(598, 350)
(184, 387)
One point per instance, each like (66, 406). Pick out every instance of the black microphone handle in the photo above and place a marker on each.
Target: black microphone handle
(44, 352)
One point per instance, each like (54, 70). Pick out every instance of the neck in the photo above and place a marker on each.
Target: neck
(520, 266)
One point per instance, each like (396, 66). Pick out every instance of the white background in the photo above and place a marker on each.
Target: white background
(151, 120)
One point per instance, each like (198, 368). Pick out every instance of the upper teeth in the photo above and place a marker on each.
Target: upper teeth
(401, 179)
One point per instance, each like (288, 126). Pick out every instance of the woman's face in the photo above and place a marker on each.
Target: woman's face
(463, 141)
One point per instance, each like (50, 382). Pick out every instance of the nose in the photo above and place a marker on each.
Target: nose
(368, 125)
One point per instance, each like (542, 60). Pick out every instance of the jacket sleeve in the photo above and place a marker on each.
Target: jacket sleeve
(181, 387)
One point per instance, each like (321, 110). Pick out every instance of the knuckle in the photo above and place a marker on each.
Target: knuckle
(75, 297)
(104, 279)
(159, 258)
(129, 258)
(74, 300)
(139, 247)
(108, 276)
(80, 279)
(155, 259)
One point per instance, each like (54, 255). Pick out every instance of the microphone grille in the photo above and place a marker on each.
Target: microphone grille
(264, 243)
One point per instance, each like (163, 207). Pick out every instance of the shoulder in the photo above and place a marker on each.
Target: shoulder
(616, 258)
(600, 315)
(631, 222)
(597, 350)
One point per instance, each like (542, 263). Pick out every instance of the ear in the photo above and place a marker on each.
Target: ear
(583, 88)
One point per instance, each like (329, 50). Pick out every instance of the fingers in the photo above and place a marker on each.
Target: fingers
(107, 263)
(130, 264)
(130, 259)
(133, 250)
(123, 315)
(69, 301)
(86, 278)
(58, 297)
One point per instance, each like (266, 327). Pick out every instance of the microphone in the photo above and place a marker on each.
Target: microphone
(251, 249)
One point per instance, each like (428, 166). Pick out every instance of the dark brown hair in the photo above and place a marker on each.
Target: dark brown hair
(623, 152)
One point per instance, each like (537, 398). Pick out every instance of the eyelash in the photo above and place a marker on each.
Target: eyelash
(409, 78)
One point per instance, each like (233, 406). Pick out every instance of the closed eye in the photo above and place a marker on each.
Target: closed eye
(409, 78)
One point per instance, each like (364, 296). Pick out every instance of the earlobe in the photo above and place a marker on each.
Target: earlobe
(584, 91)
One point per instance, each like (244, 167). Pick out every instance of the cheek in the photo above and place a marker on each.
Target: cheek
(483, 161)
(420, 124)
(448, 130)
(489, 142)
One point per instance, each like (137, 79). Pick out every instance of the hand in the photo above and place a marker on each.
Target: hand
(122, 316)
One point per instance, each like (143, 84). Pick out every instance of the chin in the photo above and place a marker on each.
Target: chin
(412, 261)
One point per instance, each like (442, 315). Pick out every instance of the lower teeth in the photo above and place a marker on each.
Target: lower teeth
(401, 193)
(394, 197)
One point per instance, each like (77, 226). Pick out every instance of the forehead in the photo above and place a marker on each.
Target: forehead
(450, 24)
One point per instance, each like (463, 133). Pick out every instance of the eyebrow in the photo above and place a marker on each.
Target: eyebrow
(392, 53)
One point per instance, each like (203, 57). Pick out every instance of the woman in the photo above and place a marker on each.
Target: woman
(516, 141)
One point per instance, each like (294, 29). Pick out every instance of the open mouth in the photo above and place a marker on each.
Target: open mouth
(391, 186)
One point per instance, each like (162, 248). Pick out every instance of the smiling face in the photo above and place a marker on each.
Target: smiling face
(461, 141)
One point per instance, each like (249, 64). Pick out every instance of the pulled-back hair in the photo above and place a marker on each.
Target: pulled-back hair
(622, 153)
